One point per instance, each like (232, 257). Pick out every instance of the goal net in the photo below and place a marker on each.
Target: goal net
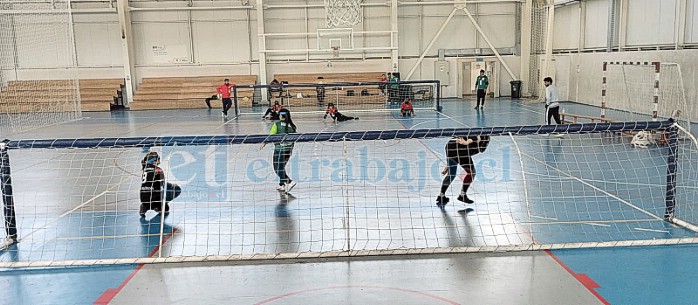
(76, 201)
(346, 96)
(643, 91)
(38, 77)
(540, 56)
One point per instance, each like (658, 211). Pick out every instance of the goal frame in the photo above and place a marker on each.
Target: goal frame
(659, 70)
(93, 143)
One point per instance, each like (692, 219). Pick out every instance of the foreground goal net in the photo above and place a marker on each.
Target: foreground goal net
(38, 76)
(347, 96)
(76, 201)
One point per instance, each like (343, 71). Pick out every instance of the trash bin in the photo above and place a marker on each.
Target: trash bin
(515, 88)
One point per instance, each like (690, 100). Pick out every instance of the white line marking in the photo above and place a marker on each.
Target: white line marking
(541, 217)
(76, 208)
(597, 224)
(651, 230)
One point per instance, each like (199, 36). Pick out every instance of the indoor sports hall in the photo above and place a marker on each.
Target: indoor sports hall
(327, 152)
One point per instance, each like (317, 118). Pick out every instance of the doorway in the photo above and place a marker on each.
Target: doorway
(471, 70)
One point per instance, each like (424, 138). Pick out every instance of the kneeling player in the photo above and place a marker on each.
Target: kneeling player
(406, 109)
(152, 186)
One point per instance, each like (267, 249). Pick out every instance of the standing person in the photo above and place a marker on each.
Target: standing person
(282, 151)
(320, 90)
(152, 184)
(384, 79)
(394, 89)
(459, 151)
(335, 115)
(481, 84)
(406, 109)
(224, 91)
(552, 107)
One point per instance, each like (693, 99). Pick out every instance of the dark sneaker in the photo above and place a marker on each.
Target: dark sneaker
(464, 198)
(441, 200)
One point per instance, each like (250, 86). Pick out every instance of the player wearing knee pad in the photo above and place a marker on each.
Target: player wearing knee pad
(459, 152)
(406, 109)
(336, 115)
(283, 151)
(153, 185)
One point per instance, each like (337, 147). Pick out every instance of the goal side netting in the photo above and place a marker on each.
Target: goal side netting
(38, 65)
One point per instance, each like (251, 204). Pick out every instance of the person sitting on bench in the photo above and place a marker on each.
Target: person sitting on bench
(209, 99)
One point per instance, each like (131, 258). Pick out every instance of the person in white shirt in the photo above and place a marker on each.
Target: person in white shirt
(552, 107)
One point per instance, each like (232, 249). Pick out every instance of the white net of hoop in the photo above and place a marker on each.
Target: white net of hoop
(341, 13)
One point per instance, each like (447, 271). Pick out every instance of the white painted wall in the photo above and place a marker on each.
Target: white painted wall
(98, 40)
(648, 23)
(35, 34)
(596, 24)
(651, 22)
(691, 34)
(225, 41)
(567, 30)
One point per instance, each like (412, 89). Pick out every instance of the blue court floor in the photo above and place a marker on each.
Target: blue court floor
(544, 189)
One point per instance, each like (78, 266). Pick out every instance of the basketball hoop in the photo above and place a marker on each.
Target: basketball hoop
(335, 51)
(343, 13)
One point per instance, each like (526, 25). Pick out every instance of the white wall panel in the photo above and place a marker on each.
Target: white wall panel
(164, 29)
(567, 31)
(221, 36)
(596, 24)
(36, 34)
(692, 21)
(98, 44)
(651, 22)
(499, 29)
(458, 34)
(409, 44)
(221, 42)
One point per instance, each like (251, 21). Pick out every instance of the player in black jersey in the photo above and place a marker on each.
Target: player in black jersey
(459, 151)
(152, 184)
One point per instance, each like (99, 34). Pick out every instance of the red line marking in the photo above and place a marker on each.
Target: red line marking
(110, 293)
(276, 298)
(584, 279)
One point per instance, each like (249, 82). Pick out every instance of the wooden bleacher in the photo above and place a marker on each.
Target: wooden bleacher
(309, 93)
(58, 95)
(187, 92)
(99, 94)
